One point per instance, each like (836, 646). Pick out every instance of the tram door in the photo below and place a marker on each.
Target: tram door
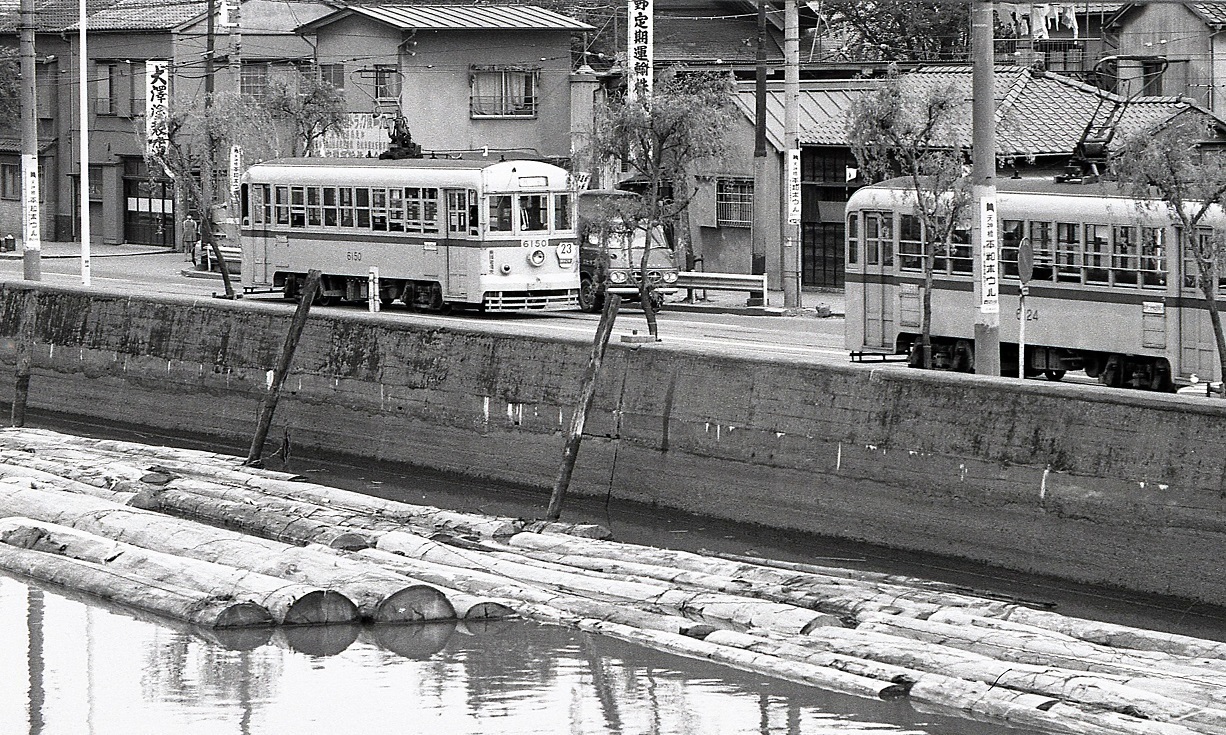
(878, 291)
(1198, 345)
(459, 257)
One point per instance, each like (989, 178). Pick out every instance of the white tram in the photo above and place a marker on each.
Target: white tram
(491, 235)
(1108, 294)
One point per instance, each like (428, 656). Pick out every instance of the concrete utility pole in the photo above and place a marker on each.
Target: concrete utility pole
(757, 264)
(83, 132)
(790, 265)
(983, 154)
(31, 229)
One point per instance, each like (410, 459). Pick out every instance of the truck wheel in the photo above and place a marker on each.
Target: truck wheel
(589, 299)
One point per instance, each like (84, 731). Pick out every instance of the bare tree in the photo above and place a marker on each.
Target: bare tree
(1188, 177)
(660, 139)
(10, 93)
(896, 130)
(311, 106)
(900, 30)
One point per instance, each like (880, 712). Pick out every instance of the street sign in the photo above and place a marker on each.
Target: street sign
(1025, 260)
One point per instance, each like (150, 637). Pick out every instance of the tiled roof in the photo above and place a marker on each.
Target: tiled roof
(459, 17)
(1213, 13)
(142, 15)
(721, 40)
(50, 16)
(1037, 113)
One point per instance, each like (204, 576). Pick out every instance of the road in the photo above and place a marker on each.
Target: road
(803, 336)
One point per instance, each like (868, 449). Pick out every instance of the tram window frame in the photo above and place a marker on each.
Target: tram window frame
(395, 210)
(1125, 256)
(1097, 254)
(911, 243)
(1068, 271)
(282, 204)
(853, 239)
(260, 206)
(1043, 244)
(1011, 235)
(526, 219)
(329, 206)
(563, 213)
(430, 224)
(1191, 270)
(500, 213)
(361, 207)
(314, 207)
(457, 212)
(412, 209)
(378, 209)
(872, 238)
(1153, 240)
(297, 207)
(961, 254)
(344, 200)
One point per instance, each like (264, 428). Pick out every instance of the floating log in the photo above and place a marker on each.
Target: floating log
(289, 604)
(795, 671)
(712, 606)
(181, 603)
(1120, 636)
(850, 664)
(380, 596)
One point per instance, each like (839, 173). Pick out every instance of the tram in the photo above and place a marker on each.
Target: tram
(1109, 295)
(496, 236)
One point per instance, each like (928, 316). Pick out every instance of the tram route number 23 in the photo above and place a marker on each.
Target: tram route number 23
(1032, 315)
(353, 255)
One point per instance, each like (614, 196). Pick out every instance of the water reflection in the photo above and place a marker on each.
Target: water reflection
(81, 666)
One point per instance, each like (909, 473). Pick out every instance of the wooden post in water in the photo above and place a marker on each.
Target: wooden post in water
(24, 359)
(611, 304)
(269, 405)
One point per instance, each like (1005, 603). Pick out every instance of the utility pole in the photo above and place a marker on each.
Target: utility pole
(83, 133)
(986, 248)
(31, 229)
(760, 211)
(790, 265)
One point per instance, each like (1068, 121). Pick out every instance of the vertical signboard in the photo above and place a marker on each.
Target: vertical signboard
(157, 108)
(989, 277)
(793, 187)
(31, 231)
(236, 169)
(640, 48)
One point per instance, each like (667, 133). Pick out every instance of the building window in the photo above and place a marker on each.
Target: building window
(333, 74)
(734, 202)
(136, 84)
(107, 83)
(254, 79)
(504, 93)
(387, 82)
(10, 181)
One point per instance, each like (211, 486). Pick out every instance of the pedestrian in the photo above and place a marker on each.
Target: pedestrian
(191, 234)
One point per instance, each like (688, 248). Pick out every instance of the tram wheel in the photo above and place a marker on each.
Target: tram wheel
(1054, 375)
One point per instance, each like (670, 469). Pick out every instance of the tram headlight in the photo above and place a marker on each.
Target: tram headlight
(670, 276)
(506, 269)
(617, 276)
(536, 258)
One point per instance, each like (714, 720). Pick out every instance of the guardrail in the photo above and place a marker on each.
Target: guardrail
(755, 285)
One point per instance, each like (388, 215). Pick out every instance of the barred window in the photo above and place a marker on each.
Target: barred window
(734, 202)
(504, 93)
(10, 181)
(254, 79)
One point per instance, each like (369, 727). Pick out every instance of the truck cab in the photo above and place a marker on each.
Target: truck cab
(611, 252)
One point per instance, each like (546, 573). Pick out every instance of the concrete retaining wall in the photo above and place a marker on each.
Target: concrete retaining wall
(1099, 486)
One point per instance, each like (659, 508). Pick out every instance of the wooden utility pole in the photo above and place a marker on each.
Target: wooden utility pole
(790, 266)
(31, 228)
(986, 247)
(612, 302)
(757, 264)
(269, 404)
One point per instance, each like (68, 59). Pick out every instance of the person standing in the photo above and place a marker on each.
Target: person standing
(191, 233)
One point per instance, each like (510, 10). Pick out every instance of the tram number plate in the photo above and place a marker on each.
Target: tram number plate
(1032, 315)
(535, 242)
(1153, 307)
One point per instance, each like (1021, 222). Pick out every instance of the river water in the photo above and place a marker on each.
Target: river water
(76, 666)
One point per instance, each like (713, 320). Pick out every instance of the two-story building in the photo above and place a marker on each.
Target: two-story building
(1173, 49)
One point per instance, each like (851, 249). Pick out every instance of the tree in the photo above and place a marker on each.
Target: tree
(901, 30)
(896, 130)
(1175, 165)
(10, 92)
(312, 107)
(661, 139)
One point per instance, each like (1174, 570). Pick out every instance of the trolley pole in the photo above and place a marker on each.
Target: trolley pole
(986, 248)
(31, 229)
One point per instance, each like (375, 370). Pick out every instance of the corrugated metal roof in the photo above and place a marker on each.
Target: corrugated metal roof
(1037, 113)
(481, 17)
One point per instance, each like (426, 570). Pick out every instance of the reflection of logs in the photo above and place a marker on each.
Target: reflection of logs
(419, 641)
(290, 604)
(318, 640)
(172, 601)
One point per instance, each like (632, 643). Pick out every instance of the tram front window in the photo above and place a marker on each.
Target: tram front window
(500, 213)
(533, 212)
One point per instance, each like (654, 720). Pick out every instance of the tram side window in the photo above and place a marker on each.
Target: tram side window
(412, 209)
(1203, 242)
(314, 209)
(500, 213)
(960, 253)
(378, 210)
(259, 203)
(297, 206)
(1153, 257)
(346, 206)
(330, 219)
(1010, 238)
(457, 212)
(872, 238)
(1098, 253)
(362, 207)
(1068, 252)
(282, 205)
(395, 210)
(1125, 257)
(533, 212)
(1041, 241)
(910, 243)
(853, 239)
(561, 212)
(429, 210)
(473, 213)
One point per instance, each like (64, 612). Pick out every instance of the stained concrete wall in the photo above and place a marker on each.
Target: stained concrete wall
(1099, 486)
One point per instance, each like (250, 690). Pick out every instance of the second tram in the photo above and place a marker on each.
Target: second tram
(495, 236)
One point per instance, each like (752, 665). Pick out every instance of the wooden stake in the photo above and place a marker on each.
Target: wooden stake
(269, 405)
(611, 304)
